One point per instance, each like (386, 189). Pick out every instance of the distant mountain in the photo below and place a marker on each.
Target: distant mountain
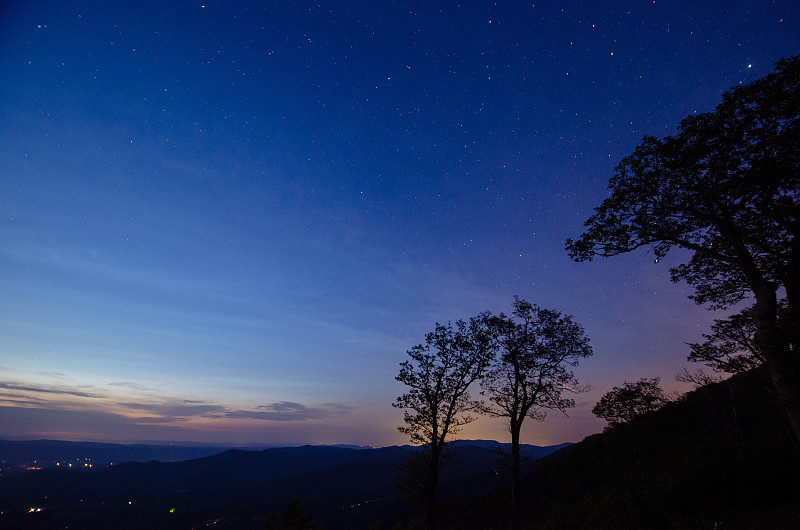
(16, 456)
(343, 487)
(21, 456)
(526, 450)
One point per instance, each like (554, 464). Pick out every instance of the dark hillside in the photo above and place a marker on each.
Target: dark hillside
(722, 457)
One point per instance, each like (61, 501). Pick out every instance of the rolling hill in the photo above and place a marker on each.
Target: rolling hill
(342, 487)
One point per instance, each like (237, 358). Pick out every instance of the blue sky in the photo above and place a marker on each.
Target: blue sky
(228, 221)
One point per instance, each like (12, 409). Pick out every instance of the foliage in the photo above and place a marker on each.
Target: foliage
(697, 378)
(726, 188)
(438, 375)
(294, 517)
(630, 401)
(536, 348)
(731, 346)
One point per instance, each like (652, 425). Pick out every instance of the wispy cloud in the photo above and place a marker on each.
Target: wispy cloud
(159, 420)
(131, 385)
(55, 375)
(339, 408)
(281, 411)
(175, 409)
(139, 412)
(49, 390)
(15, 400)
(181, 410)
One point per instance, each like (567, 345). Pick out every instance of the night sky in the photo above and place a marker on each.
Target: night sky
(228, 221)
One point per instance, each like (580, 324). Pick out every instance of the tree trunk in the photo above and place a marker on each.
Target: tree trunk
(790, 325)
(785, 372)
(429, 493)
(784, 367)
(515, 474)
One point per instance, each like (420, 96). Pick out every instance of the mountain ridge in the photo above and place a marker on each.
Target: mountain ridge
(24, 455)
(345, 487)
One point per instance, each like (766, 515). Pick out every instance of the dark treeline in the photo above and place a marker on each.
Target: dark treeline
(701, 471)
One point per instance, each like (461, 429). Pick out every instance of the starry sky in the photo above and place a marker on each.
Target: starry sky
(227, 222)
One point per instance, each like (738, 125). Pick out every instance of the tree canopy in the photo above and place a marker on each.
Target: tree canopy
(536, 349)
(730, 347)
(726, 188)
(626, 403)
(438, 375)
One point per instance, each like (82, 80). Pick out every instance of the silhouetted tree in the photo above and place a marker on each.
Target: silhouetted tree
(698, 378)
(626, 403)
(726, 188)
(438, 403)
(294, 517)
(721, 405)
(731, 347)
(535, 347)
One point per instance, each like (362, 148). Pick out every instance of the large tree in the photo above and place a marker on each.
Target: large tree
(535, 350)
(630, 401)
(725, 187)
(438, 375)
